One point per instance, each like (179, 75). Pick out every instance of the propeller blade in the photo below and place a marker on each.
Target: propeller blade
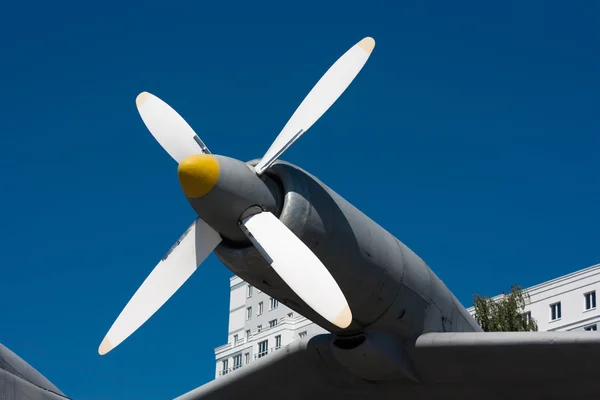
(298, 266)
(169, 128)
(329, 88)
(192, 248)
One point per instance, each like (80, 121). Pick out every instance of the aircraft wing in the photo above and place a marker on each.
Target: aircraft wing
(303, 367)
(448, 365)
(530, 364)
(20, 381)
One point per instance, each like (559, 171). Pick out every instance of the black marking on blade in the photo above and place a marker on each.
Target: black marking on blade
(282, 150)
(201, 144)
(178, 242)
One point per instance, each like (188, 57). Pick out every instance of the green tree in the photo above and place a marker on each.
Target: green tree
(504, 314)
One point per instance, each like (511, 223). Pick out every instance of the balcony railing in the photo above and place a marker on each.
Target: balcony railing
(282, 322)
(228, 370)
(264, 353)
(256, 356)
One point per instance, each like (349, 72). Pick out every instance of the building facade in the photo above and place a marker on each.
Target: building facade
(259, 325)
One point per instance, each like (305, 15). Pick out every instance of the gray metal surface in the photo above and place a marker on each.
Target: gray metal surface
(401, 342)
(20, 381)
(386, 284)
(534, 358)
(236, 189)
(556, 365)
(410, 337)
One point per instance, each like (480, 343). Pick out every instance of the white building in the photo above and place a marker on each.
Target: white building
(258, 324)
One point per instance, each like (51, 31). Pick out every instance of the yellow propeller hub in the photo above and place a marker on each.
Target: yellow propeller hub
(198, 174)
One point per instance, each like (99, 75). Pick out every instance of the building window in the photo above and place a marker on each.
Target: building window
(590, 300)
(555, 312)
(249, 291)
(247, 358)
(248, 334)
(235, 339)
(237, 361)
(259, 328)
(260, 308)
(263, 348)
(225, 367)
(591, 328)
(302, 334)
(526, 317)
(291, 315)
(248, 313)
(274, 303)
(273, 323)
(277, 342)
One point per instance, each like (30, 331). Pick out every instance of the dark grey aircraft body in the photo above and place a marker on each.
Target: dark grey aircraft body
(409, 338)
(396, 331)
(20, 381)
(388, 287)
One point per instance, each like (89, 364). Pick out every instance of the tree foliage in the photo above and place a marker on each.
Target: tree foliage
(504, 314)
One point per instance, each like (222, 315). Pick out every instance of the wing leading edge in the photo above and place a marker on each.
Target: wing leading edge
(19, 380)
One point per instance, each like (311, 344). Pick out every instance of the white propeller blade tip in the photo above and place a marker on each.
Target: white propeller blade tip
(344, 318)
(367, 44)
(105, 347)
(142, 98)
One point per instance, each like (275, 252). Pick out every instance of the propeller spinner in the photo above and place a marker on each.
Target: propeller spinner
(224, 193)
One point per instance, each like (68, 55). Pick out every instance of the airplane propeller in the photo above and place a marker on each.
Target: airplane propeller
(293, 261)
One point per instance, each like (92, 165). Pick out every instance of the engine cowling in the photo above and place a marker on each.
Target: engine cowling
(374, 356)
(363, 258)
(387, 286)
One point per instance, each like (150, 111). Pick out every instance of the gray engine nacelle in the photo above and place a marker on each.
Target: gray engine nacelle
(363, 258)
(387, 286)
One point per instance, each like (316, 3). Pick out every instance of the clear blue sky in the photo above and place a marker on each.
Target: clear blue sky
(471, 134)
